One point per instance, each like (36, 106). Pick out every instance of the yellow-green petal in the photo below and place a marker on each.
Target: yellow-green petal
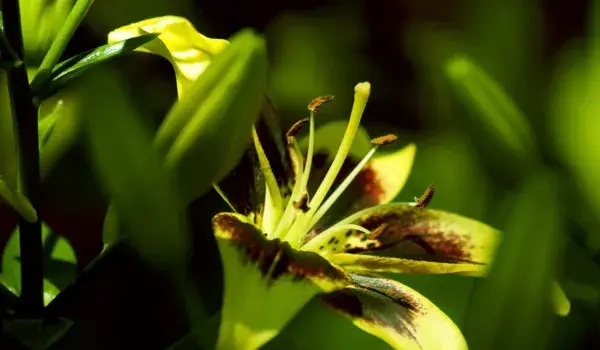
(266, 282)
(402, 234)
(362, 263)
(388, 173)
(188, 51)
(397, 314)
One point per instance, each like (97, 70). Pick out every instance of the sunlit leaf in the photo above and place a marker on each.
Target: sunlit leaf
(17, 201)
(60, 263)
(73, 67)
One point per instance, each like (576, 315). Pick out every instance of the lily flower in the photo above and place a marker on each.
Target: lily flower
(315, 218)
(287, 239)
(186, 49)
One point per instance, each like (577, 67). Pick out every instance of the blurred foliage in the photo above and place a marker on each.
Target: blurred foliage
(546, 71)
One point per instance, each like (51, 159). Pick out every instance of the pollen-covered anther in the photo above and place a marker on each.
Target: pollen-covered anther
(302, 204)
(295, 129)
(384, 140)
(426, 198)
(316, 103)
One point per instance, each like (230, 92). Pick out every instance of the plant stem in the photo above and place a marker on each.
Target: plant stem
(60, 42)
(31, 303)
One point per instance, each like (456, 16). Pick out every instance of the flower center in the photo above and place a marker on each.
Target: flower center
(293, 220)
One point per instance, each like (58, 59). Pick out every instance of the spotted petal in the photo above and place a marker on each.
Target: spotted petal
(397, 314)
(188, 51)
(266, 282)
(406, 239)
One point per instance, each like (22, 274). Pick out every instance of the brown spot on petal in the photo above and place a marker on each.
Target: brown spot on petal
(342, 301)
(414, 233)
(371, 190)
(274, 256)
(316, 103)
(302, 204)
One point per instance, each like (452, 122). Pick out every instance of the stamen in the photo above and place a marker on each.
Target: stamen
(361, 95)
(325, 236)
(224, 197)
(359, 214)
(316, 103)
(341, 188)
(273, 194)
(300, 186)
(384, 140)
(295, 129)
(293, 146)
(379, 141)
(426, 198)
(309, 154)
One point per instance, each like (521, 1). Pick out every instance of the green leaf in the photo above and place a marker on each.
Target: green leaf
(60, 263)
(59, 125)
(493, 119)
(216, 114)
(74, 66)
(37, 334)
(8, 57)
(9, 164)
(511, 308)
(151, 215)
(17, 201)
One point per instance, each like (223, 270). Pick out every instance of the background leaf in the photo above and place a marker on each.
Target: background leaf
(511, 308)
(74, 66)
(60, 263)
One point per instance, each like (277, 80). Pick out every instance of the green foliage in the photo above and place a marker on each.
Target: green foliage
(60, 264)
(121, 150)
(510, 308)
(494, 116)
(69, 69)
(217, 114)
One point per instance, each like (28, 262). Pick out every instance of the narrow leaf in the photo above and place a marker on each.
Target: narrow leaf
(511, 308)
(74, 66)
(130, 169)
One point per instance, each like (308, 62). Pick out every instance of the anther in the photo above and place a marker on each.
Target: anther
(295, 129)
(425, 199)
(384, 140)
(316, 103)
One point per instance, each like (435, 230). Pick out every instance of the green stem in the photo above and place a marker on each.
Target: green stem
(25, 116)
(60, 42)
